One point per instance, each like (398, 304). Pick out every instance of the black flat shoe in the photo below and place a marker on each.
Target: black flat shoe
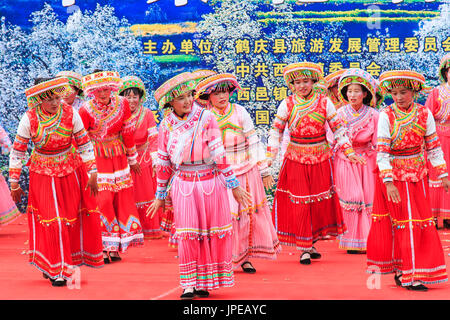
(420, 287)
(114, 258)
(314, 254)
(352, 251)
(106, 260)
(447, 223)
(201, 293)
(187, 296)
(397, 280)
(59, 283)
(306, 260)
(45, 276)
(250, 269)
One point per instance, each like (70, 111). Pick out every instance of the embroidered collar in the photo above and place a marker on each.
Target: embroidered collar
(222, 112)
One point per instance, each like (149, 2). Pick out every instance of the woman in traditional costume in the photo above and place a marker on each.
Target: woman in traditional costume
(191, 154)
(355, 182)
(306, 208)
(439, 103)
(8, 209)
(146, 139)
(75, 97)
(254, 235)
(402, 237)
(167, 223)
(63, 215)
(107, 118)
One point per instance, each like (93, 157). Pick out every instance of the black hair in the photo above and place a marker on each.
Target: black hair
(95, 71)
(168, 105)
(313, 80)
(229, 89)
(366, 100)
(444, 74)
(135, 90)
(41, 79)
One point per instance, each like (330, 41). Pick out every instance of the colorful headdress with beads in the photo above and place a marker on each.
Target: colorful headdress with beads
(361, 77)
(174, 87)
(332, 79)
(36, 94)
(133, 82)
(302, 70)
(444, 65)
(400, 79)
(75, 79)
(217, 82)
(101, 80)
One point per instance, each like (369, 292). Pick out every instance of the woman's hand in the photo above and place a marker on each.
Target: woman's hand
(154, 207)
(268, 182)
(136, 168)
(154, 171)
(243, 197)
(16, 192)
(92, 184)
(445, 184)
(356, 159)
(392, 192)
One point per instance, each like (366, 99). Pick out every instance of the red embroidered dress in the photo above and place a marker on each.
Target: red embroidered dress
(112, 134)
(146, 138)
(305, 205)
(402, 236)
(439, 103)
(63, 217)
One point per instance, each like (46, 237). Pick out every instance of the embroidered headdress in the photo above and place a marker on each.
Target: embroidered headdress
(41, 91)
(402, 78)
(75, 79)
(332, 79)
(101, 80)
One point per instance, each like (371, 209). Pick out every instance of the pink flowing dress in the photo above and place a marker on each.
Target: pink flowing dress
(439, 104)
(8, 209)
(355, 183)
(191, 155)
